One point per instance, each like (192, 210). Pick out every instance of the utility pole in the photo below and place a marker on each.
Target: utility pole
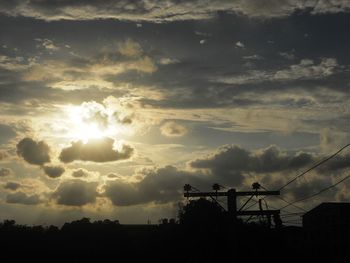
(232, 195)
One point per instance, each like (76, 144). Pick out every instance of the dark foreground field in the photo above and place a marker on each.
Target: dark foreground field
(166, 242)
(202, 233)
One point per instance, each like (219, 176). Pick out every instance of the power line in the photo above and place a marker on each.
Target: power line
(255, 202)
(215, 200)
(319, 192)
(315, 166)
(292, 215)
(292, 221)
(291, 204)
(302, 174)
(294, 224)
(284, 200)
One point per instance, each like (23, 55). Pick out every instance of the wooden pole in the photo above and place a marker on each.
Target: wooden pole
(232, 203)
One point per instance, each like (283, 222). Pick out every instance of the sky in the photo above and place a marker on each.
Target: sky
(107, 108)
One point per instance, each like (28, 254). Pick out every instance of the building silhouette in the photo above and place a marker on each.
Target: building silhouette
(327, 216)
(327, 227)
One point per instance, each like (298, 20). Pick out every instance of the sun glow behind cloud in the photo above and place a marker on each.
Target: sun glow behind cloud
(89, 123)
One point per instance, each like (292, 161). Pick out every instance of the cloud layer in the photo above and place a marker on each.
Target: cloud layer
(168, 10)
(232, 159)
(95, 150)
(230, 165)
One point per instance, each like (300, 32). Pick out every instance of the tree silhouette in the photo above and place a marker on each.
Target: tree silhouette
(202, 213)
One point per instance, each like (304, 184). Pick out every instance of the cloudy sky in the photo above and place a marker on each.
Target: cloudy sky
(107, 108)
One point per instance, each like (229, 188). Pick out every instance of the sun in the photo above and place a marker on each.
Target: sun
(86, 124)
(88, 131)
(93, 120)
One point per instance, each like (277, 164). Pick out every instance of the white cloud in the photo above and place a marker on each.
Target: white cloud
(306, 69)
(287, 55)
(130, 48)
(173, 129)
(15, 63)
(253, 57)
(239, 44)
(168, 61)
(47, 44)
(204, 34)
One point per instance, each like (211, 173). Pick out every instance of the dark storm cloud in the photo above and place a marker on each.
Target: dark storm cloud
(23, 198)
(160, 185)
(336, 164)
(95, 150)
(53, 171)
(123, 194)
(160, 10)
(34, 152)
(311, 186)
(75, 193)
(231, 162)
(230, 165)
(13, 186)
